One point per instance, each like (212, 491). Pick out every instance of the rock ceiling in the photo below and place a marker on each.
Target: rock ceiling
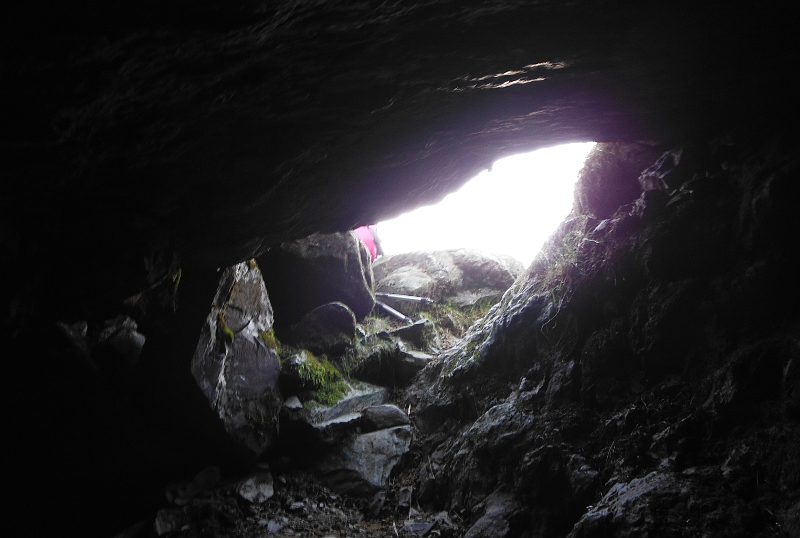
(214, 131)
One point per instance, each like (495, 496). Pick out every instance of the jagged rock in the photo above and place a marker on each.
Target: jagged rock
(362, 465)
(327, 425)
(390, 365)
(463, 276)
(256, 488)
(118, 347)
(319, 269)
(379, 417)
(494, 515)
(623, 510)
(329, 328)
(236, 371)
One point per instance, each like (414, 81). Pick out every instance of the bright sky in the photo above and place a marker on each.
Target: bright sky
(511, 210)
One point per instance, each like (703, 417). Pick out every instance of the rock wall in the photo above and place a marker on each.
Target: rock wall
(641, 381)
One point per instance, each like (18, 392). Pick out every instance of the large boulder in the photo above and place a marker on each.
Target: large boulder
(329, 328)
(236, 370)
(362, 465)
(463, 276)
(319, 269)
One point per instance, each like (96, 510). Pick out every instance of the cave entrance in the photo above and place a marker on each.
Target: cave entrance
(511, 209)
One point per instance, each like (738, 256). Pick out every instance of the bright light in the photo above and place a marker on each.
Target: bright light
(511, 210)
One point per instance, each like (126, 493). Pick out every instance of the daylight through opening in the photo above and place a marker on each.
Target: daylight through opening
(511, 209)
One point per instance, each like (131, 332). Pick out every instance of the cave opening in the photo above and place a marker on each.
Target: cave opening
(510, 209)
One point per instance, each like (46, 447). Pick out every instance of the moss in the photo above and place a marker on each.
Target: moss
(323, 375)
(177, 279)
(226, 331)
(270, 340)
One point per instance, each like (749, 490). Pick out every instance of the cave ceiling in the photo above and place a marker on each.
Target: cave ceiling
(214, 130)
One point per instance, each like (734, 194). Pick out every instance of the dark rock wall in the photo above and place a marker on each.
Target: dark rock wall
(659, 342)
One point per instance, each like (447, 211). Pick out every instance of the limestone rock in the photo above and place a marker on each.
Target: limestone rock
(329, 328)
(237, 373)
(319, 269)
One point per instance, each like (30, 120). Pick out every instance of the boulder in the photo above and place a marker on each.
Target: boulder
(462, 276)
(256, 488)
(235, 370)
(391, 365)
(363, 464)
(420, 334)
(329, 328)
(319, 269)
(380, 417)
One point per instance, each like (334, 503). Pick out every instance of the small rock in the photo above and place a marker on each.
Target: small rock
(293, 402)
(169, 520)
(257, 488)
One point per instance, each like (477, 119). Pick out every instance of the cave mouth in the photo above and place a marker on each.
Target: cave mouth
(510, 209)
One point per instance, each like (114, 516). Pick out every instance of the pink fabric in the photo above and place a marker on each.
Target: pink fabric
(365, 235)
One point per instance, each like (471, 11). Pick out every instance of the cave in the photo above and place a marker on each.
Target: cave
(642, 380)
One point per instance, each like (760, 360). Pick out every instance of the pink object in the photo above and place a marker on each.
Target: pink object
(365, 235)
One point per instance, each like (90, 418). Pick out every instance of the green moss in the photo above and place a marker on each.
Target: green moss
(177, 279)
(323, 375)
(223, 326)
(270, 340)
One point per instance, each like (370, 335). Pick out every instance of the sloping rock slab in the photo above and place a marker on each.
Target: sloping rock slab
(626, 507)
(234, 369)
(497, 509)
(321, 268)
(363, 465)
(359, 397)
(463, 275)
(328, 425)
